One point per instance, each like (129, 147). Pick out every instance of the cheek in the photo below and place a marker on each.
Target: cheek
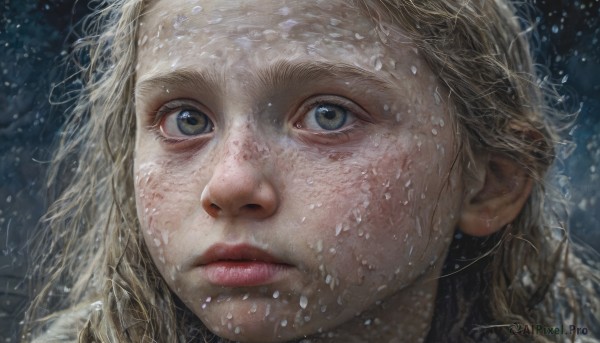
(383, 219)
(163, 200)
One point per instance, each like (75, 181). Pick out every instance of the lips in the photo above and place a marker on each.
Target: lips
(240, 266)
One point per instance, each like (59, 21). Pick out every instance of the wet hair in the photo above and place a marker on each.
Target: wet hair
(94, 259)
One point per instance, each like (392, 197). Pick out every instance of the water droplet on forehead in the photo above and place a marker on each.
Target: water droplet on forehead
(413, 69)
(196, 9)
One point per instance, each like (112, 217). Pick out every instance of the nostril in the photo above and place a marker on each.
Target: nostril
(215, 207)
(253, 207)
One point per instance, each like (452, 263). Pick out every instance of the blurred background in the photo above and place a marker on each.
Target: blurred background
(35, 36)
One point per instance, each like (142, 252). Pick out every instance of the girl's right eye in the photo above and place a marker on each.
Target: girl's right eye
(186, 123)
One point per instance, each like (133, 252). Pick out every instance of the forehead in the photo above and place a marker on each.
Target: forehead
(242, 34)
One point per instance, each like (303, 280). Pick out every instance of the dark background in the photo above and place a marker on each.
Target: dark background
(35, 36)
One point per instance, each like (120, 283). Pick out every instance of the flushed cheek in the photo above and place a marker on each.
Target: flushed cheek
(385, 226)
(163, 201)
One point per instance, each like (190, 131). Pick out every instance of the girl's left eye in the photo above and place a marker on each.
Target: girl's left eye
(185, 123)
(326, 117)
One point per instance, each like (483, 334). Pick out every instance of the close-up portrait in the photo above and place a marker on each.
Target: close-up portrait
(315, 171)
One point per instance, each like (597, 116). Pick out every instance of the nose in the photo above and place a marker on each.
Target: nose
(239, 187)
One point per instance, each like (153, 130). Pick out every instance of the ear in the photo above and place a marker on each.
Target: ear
(498, 193)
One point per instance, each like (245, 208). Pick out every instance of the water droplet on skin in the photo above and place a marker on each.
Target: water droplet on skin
(165, 236)
(246, 296)
(229, 316)
(388, 196)
(253, 308)
(437, 98)
(196, 9)
(328, 279)
(284, 323)
(434, 132)
(555, 29)
(357, 215)
(419, 228)
(386, 107)
(413, 69)
(156, 242)
(565, 79)
(378, 65)
(303, 302)
(215, 20)
(275, 294)
(237, 330)
(319, 246)
(367, 322)
(358, 36)
(323, 308)
(143, 40)
(288, 24)
(338, 229)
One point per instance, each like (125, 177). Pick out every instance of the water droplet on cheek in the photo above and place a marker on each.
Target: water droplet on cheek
(303, 302)
(338, 229)
(196, 9)
(413, 69)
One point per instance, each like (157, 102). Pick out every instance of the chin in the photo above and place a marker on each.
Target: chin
(253, 320)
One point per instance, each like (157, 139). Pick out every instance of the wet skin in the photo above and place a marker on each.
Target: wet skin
(293, 172)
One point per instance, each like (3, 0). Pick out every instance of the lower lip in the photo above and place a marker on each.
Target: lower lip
(243, 273)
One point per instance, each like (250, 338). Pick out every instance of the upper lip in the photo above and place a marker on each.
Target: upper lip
(238, 252)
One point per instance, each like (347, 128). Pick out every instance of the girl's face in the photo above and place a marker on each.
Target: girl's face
(293, 168)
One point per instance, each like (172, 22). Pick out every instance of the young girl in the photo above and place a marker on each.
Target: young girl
(315, 171)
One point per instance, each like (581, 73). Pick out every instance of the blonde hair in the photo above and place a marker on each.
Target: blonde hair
(94, 246)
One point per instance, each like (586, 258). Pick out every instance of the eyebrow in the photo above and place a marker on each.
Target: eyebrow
(284, 72)
(186, 77)
(277, 75)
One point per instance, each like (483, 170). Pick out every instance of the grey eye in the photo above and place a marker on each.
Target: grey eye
(184, 123)
(193, 123)
(328, 116)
